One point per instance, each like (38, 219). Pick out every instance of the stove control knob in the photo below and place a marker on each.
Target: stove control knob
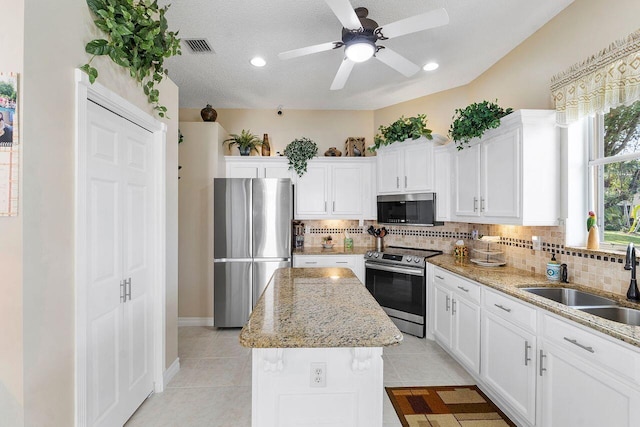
(369, 254)
(409, 259)
(417, 260)
(376, 254)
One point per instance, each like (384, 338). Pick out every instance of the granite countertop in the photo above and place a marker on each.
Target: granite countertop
(336, 250)
(509, 280)
(317, 307)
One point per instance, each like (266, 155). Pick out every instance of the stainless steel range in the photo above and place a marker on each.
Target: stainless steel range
(396, 279)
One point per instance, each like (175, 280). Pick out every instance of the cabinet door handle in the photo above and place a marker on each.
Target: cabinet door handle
(405, 181)
(127, 294)
(500, 306)
(311, 262)
(334, 206)
(463, 289)
(481, 204)
(397, 182)
(542, 356)
(447, 305)
(453, 307)
(440, 277)
(325, 206)
(527, 359)
(123, 292)
(342, 262)
(582, 346)
(475, 204)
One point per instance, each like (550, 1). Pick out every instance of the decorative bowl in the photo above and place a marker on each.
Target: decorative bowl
(327, 245)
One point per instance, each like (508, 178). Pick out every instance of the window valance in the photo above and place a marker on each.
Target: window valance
(605, 80)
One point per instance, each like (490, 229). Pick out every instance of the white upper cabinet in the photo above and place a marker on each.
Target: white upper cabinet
(257, 167)
(336, 188)
(442, 182)
(405, 167)
(512, 174)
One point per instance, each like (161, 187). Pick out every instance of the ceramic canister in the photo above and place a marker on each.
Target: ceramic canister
(553, 272)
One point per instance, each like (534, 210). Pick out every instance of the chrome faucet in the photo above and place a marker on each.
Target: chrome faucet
(630, 264)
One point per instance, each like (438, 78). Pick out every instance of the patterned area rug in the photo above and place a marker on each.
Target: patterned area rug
(445, 406)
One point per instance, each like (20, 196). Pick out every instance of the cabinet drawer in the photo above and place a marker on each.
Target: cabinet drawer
(510, 309)
(460, 286)
(606, 354)
(346, 261)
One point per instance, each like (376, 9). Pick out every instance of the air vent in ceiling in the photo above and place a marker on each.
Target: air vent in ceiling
(198, 45)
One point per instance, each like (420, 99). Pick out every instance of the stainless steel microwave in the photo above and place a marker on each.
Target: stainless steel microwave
(408, 209)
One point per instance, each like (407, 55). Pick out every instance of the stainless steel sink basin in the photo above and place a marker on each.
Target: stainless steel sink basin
(571, 297)
(628, 316)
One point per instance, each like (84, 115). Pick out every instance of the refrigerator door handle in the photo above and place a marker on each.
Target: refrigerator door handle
(271, 259)
(233, 260)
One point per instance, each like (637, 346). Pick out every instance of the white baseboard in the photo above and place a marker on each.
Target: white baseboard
(195, 321)
(171, 372)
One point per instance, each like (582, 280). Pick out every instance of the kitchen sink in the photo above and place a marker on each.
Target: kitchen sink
(628, 316)
(571, 297)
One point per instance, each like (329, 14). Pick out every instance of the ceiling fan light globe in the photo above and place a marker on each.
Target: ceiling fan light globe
(360, 51)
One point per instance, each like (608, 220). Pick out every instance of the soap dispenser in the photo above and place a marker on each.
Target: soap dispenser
(553, 269)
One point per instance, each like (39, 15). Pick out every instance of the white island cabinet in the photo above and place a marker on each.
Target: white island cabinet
(316, 336)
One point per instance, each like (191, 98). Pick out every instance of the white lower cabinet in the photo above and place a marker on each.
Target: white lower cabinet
(457, 317)
(354, 262)
(585, 380)
(509, 363)
(539, 368)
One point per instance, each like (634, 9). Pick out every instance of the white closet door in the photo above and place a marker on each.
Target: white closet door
(119, 206)
(138, 242)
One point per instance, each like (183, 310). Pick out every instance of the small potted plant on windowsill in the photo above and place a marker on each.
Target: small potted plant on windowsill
(246, 142)
(472, 121)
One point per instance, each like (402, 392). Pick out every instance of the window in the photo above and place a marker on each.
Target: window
(615, 172)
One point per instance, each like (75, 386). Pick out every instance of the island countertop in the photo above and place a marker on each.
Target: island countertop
(317, 307)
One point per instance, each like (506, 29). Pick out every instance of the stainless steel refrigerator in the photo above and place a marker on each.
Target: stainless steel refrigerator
(252, 238)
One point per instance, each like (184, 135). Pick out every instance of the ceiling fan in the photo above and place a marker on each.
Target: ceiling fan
(359, 37)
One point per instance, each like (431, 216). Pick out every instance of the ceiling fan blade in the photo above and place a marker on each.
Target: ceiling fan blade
(432, 19)
(345, 13)
(397, 62)
(307, 50)
(343, 74)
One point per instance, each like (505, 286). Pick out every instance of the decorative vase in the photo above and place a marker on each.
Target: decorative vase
(266, 147)
(208, 114)
(244, 151)
(593, 239)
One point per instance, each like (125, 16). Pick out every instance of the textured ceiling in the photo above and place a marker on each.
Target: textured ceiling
(479, 33)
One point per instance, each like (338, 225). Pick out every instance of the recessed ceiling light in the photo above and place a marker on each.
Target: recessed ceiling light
(431, 66)
(257, 61)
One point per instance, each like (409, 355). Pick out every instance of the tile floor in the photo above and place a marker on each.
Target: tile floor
(213, 387)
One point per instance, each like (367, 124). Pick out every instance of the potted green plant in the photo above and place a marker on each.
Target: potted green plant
(299, 152)
(474, 120)
(246, 142)
(400, 130)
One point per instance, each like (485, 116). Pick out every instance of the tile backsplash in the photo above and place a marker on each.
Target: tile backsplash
(599, 270)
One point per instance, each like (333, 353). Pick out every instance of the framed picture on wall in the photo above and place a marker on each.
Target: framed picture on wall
(9, 147)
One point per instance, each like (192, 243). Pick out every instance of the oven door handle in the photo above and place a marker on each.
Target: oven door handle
(401, 270)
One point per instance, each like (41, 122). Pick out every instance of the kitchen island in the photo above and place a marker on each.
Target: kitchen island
(316, 336)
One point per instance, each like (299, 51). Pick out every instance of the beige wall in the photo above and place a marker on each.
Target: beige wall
(328, 128)
(54, 37)
(11, 349)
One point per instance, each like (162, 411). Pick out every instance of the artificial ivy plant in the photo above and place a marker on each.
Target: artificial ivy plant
(137, 39)
(401, 129)
(474, 120)
(299, 152)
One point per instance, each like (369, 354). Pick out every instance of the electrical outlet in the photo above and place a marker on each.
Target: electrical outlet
(318, 374)
(537, 243)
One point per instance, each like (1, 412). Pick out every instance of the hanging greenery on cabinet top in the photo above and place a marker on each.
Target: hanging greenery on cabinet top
(138, 39)
(401, 129)
(473, 120)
